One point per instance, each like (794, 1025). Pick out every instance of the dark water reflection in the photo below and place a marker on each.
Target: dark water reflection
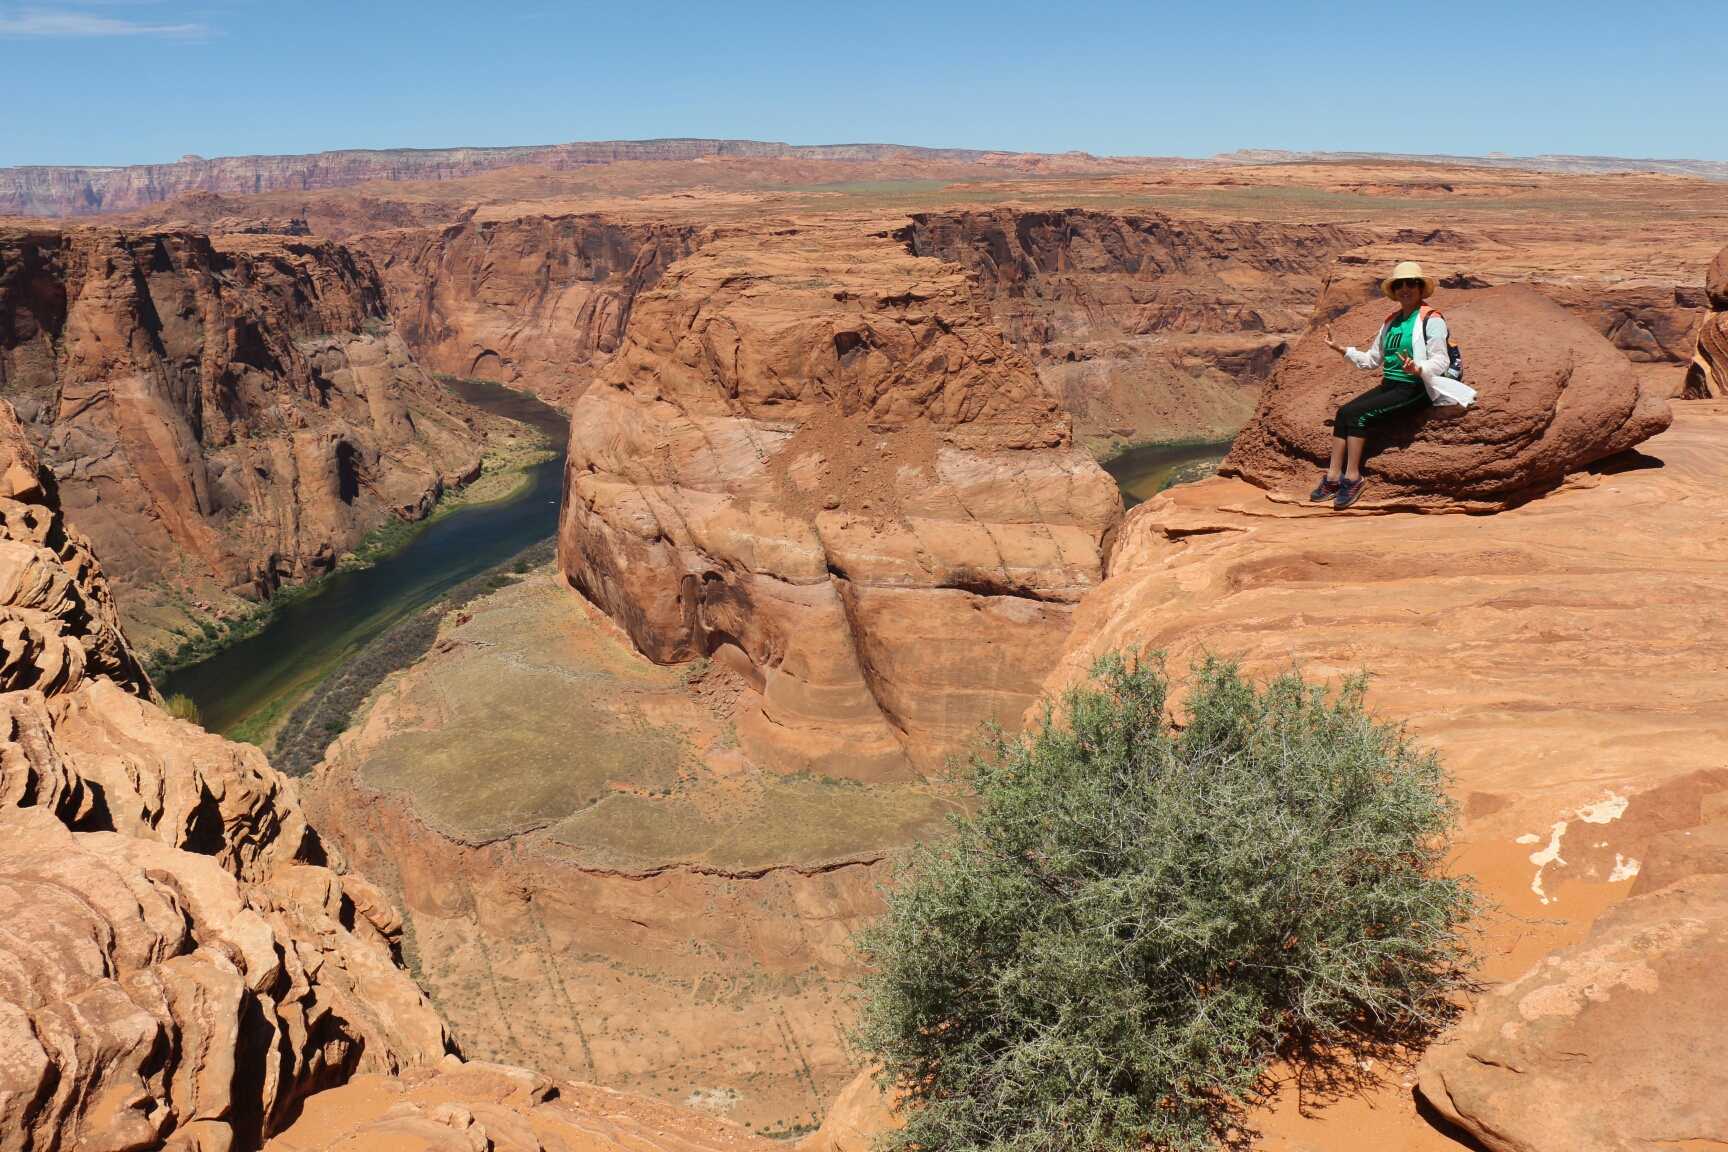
(313, 633)
(1142, 473)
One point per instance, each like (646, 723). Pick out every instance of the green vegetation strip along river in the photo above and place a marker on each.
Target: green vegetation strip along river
(1141, 473)
(316, 631)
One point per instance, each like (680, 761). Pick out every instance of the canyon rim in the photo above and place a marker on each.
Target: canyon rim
(581, 869)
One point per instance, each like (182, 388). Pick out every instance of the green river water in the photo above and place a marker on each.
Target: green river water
(1142, 473)
(313, 633)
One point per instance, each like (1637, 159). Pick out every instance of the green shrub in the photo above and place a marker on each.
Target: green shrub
(183, 707)
(1140, 918)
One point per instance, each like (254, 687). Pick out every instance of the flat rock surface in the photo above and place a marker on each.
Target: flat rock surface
(481, 1107)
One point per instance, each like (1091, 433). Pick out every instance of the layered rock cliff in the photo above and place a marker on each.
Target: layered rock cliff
(178, 961)
(816, 461)
(531, 302)
(221, 415)
(1146, 325)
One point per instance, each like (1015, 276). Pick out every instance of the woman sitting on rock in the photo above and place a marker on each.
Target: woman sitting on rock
(1416, 362)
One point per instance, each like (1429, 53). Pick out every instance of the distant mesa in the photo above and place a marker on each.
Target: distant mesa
(48, 190)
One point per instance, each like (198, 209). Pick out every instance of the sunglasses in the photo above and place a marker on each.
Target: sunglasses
(1398, 284)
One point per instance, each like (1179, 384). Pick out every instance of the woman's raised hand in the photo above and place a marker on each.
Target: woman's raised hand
(1331, 343)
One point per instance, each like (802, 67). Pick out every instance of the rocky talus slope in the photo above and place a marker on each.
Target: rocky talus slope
(221, 416)
(1552, 396)
(815, 460)
(1564, 658)
(178, 962)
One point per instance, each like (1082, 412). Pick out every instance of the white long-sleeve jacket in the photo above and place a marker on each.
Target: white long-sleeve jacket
(1428, 350)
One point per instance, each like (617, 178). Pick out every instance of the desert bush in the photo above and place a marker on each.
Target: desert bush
(1139, 917)
(183, 707)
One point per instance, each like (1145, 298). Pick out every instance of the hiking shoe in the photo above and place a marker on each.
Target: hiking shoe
(1348, 490)
(1327, 490)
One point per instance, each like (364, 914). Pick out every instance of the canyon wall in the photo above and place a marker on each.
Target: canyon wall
(815, 460)
(221, 416)
(180, 964)
(531, 302)
(1146, 326)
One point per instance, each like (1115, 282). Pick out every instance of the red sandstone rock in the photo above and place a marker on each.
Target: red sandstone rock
(1707, 375)
(220, 402)
(172, 959)
(1552, 397)
(1716, 281)
(58, 620)
(815, 460)
(482, 1107)
(1615, 1042)
(532, 302)
(860, 1114)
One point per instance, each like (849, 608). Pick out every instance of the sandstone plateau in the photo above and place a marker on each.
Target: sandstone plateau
(222, 416)
(1152, 303)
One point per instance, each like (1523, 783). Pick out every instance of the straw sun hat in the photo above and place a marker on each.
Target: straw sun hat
(1409, 270)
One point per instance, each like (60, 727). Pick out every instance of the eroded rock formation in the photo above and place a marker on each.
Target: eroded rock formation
(223, 415)
(177, 962)
(1707, 375)
(816, 461)
(530, 302)
(1552, 397)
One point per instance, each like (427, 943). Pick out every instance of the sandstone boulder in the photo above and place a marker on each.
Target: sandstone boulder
(1552, 397)
(816, 461)
(1613, 1043)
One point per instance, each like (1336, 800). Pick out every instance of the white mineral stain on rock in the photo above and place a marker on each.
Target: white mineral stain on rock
(1602, 812)
(1546, 857)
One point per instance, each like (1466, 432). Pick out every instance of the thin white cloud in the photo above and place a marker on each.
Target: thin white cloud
(68, 25)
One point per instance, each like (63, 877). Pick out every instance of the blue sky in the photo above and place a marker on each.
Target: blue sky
(136, 81)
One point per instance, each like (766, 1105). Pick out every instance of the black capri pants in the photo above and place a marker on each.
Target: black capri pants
(1383, 403)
